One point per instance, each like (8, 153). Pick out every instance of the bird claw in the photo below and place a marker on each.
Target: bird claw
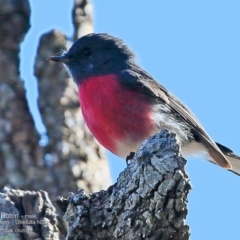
(130, 157)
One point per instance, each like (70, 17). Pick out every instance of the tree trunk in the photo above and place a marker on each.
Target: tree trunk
(72, 158)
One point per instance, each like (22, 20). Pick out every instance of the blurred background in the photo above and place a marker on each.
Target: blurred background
(190, 47)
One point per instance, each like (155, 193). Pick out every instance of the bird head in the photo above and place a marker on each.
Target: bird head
(95, 54)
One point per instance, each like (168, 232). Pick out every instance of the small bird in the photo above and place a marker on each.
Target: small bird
(123, 105)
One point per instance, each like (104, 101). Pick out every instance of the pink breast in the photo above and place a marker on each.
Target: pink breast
(114, 113)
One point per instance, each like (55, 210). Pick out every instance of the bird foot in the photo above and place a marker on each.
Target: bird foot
(130, 157)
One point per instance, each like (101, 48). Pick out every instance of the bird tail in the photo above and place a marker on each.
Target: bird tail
(231, 157)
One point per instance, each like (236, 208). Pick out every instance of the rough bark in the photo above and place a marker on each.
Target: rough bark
(72, 159)
(148, 201)
(27, 215)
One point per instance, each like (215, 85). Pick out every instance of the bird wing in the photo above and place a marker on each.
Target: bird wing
(142, 81)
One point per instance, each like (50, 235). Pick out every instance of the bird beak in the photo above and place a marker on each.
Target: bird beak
(62, 58)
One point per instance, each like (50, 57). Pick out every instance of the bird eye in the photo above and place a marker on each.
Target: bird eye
(87, 52)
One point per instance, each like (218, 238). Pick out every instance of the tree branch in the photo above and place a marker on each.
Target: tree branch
(147, 202)
(82, 17)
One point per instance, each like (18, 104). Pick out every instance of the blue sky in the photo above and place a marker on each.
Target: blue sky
(192, 48)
